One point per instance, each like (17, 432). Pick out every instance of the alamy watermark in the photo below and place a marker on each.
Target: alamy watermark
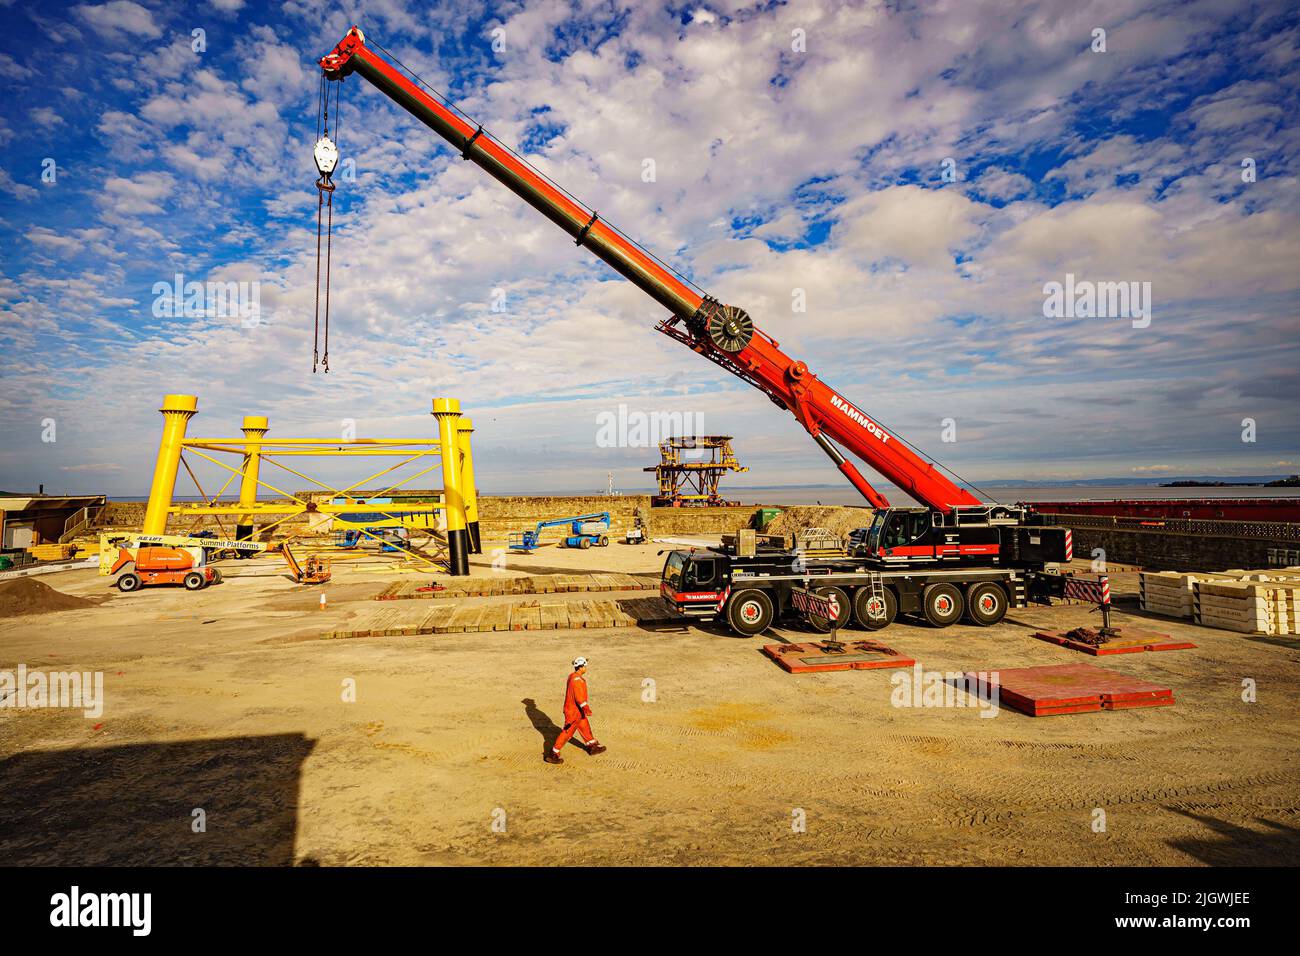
(80, 690)
(216, 300)
(922, 688)
(133, 911)
(1103, 300)
(634, 429)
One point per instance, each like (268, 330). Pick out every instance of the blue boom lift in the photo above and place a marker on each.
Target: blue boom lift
(390, 539)
(584, 531)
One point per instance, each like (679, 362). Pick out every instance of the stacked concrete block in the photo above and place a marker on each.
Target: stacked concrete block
(1170, 593)
(1241, 600)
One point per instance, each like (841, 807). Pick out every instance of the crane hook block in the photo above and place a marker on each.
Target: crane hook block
(326, 155)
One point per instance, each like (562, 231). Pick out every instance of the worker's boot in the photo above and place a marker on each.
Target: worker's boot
(553, 757)
(595, 748)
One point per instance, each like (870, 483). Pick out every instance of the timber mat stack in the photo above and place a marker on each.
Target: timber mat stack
(81, 548)
(52, 552)
(1248, 602)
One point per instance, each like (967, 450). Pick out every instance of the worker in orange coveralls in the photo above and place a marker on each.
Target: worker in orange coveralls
(576, 712)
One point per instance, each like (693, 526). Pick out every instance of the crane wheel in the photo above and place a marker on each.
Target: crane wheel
(194, 581)
(942, 605)
(585, 543)
(749, 612)
(986, 603)
(824, 625)
(128, 582)
(603, 542)
(875, 611)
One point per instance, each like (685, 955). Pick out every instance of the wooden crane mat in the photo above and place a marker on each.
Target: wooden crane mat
(857, 655)
(1067, 689)
(532, 584)
(450, 618)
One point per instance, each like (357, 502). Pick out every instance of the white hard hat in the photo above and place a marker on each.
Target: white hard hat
(579, 662)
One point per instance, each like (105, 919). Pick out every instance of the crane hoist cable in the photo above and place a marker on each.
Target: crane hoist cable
(326, 154)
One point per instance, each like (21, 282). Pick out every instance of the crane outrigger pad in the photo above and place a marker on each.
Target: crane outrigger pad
(1123, 641)
(1067, 689)
(816, 656)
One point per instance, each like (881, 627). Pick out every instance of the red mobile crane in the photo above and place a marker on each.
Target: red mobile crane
(954, 527)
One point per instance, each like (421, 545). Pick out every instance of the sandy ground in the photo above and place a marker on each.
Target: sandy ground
(225, 707)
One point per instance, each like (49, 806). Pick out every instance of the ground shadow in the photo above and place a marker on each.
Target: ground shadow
(1238, 846)
(1139, 612)
(1290, 643)
(1025, 624)
(134, 805)
(685, 626)
(647, 576)
(542, 723)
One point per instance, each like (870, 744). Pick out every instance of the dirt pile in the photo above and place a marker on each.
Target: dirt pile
(30, 596)
(837, 520)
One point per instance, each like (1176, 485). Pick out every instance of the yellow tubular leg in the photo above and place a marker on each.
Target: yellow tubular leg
(468, 489)
(177, 410)
(254, 428)
(447, 412)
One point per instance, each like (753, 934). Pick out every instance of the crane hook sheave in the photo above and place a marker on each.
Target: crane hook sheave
(326, 154)
(730, 328)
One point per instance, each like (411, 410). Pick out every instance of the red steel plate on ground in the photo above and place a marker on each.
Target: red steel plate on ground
(1070, 689)
(1133, 642)
(858, 655)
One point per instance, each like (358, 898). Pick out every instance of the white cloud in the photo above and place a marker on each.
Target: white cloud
(99, 241)
(45, 117)
(995, 183)
(140, 194)
(118, 17)
(916, 226)
(16, 189)
(11, 69)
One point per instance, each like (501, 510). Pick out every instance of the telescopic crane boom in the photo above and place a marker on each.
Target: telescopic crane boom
(724, 334)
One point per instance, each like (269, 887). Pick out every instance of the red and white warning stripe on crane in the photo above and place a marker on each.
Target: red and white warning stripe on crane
(1095, 592)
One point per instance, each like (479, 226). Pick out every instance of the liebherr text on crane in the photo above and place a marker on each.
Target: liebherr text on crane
(955, 556)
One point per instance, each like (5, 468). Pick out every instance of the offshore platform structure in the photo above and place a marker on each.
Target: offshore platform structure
(955, 554)
(690, 469)
(450, 453)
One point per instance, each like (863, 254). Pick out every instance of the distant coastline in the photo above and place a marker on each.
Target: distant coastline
(1292, 482)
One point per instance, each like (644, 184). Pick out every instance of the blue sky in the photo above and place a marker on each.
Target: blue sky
(797, 148)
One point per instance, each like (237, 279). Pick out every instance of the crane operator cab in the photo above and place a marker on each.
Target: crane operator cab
(923, 536)
(696, 581)
(897, 535)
